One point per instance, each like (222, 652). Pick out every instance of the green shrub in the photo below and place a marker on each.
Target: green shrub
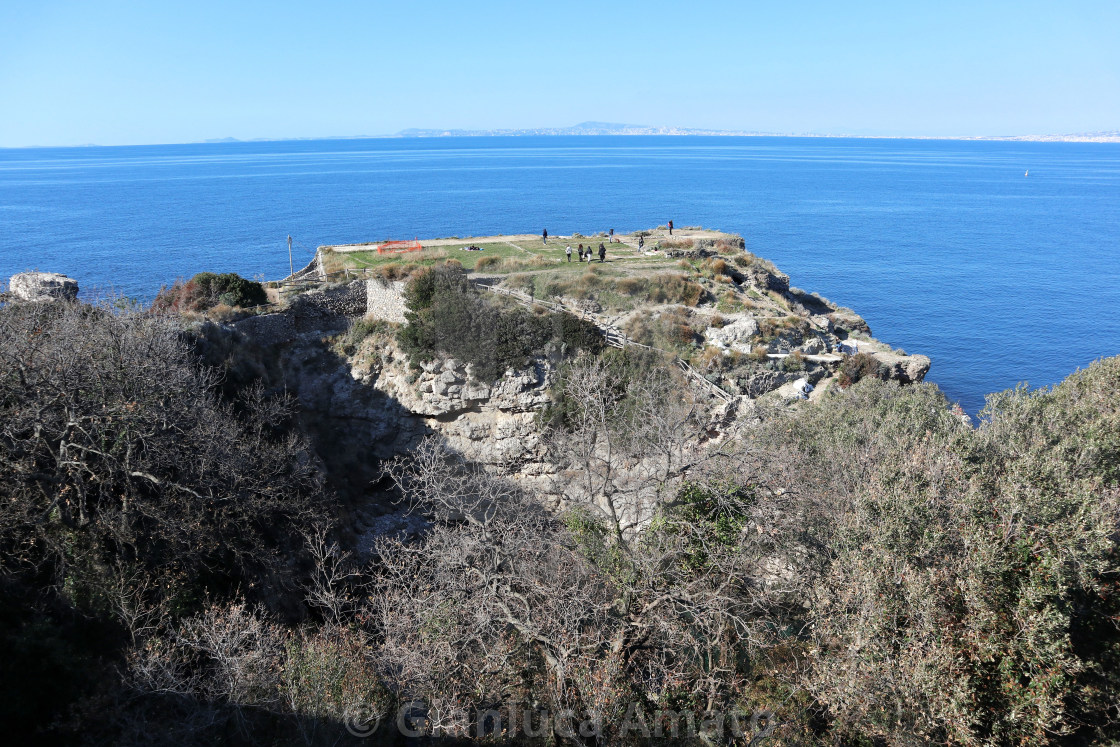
(446, 315)
(622, 366)
(207, 289)
(860, 366)
(666, 287)
(972, 587)
(793, 362)
(359, 330)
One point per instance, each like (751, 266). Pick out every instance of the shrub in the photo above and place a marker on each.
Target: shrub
(446, 315)
(715, 267)
(771, 327)
(359, 330)
(670, 330)
(206, 290)
(621, 367)
(793, 362)
(672, 288)
(710, 358)
(973, 583)
(396, 271)
(860, 366)
(486, 262)
(163, 495)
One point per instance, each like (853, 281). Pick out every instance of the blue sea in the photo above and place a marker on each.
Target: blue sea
(947, 248)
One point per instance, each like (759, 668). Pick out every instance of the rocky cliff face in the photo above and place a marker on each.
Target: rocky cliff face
(490, 423)
(366, 404)
(361, 402)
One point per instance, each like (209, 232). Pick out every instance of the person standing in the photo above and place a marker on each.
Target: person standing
(544, 235)
(602, 252)
(568, 251)
(611, 239)
(581, 252)
(670, 228)
(641, 242)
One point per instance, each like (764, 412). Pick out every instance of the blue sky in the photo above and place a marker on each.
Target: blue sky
(157, 72)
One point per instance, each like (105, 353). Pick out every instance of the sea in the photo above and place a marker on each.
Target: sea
(999, 260)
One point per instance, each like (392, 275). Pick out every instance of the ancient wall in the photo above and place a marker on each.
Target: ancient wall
(385, 300)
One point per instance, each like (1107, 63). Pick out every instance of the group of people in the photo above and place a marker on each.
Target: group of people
(588, 253)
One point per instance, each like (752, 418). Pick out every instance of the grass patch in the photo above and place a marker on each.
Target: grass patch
(772, 327)
(665, 287)
(348, 342)
(674, 330)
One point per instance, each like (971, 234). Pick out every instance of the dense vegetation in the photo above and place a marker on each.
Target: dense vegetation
(207, 290)
(448, 316)
(867, 570)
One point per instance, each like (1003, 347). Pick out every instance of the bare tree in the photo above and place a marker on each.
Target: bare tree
(126, 478)
(627, 440)
(576, 611)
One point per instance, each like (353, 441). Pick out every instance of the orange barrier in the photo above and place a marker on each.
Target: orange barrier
(399, 247)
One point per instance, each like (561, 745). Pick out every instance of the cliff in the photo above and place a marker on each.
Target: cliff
(745, 339)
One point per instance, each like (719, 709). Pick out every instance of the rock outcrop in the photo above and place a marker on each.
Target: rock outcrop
(906, 369)
(734, 336)
(42, 286)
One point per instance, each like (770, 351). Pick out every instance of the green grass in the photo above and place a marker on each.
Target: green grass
(335, 261)
(519, 257)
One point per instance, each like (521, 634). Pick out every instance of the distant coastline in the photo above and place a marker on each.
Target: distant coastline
(600, 129)
(609, 128)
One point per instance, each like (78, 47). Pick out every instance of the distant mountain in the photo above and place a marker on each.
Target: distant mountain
(615, 128)
(583, 128)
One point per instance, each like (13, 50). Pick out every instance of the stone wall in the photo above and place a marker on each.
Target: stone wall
(338, 300)
(385, 300)
(268, 329)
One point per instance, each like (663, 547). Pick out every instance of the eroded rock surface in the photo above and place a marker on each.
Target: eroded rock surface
(43, 286)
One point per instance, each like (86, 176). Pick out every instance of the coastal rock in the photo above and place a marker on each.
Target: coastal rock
(907, 369)
(763, 279)
(43, 286)
(848, 321)
(736, 335)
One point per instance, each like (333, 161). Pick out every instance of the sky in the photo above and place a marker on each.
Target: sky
(112, 73)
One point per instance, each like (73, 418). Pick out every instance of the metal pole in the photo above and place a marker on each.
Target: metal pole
(291, 267)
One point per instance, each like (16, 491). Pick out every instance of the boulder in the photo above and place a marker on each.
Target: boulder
(847, 321)
(907, 369)
(814, 346)
(736, 335)
(43, 286)
(763, 279)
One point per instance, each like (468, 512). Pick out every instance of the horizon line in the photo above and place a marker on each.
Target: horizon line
(1103, 136)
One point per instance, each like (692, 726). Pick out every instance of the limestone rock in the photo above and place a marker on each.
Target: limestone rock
(736, 335)
(908, 369)
(43, 286)
(763, 279)
(814, 346)
(849, 321)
